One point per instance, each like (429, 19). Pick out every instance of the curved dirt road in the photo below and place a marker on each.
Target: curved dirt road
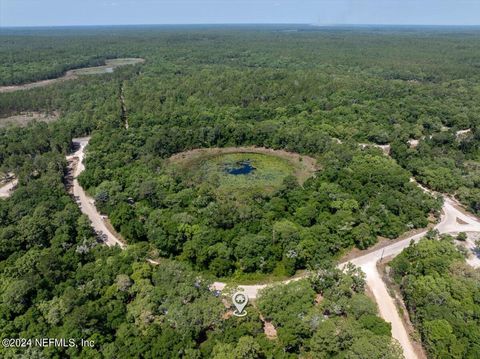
(85, 202)
(368, 263)
(453, 220)
(449, 224)
(109, 66)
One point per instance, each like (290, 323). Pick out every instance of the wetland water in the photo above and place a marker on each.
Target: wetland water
(240, 168)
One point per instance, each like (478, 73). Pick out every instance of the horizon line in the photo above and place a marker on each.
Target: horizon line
(244, 24)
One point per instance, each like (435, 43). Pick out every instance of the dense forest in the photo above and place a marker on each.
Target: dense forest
(317, 92)
(442, 295)
(357, 196)
(58, 281)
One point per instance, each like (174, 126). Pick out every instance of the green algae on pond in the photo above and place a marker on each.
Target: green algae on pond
(241, 173)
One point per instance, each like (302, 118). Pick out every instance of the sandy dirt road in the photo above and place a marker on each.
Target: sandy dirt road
(448, 224)
(68, 76)
(387, 308)
(86, 203)
(453, 220)
(474, 259)
(109, 67)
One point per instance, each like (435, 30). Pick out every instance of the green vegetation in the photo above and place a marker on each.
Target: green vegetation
(110, 66)
(25, 118)
(447, 163)
(441, 293)
(268, 174)
(343, 324)
(357, 196)
(316, 92)
(289, 105)
(58, 281)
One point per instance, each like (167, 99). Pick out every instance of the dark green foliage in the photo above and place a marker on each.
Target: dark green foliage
(341, 321)
(462, 236)
(357, 196)
(441, 294)
(298, 91)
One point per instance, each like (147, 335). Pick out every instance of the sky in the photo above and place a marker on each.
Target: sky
(318, 12)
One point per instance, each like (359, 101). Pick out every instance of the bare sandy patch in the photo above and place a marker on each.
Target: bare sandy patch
(268, 329)
(385, 148)
(463, 133)
(413, 143)
(25, 118)
(8, 182)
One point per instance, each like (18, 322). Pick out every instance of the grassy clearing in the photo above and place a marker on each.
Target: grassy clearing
(210, 166)
(109, 66)
(268, 174)
(303, 166)
(25, 118)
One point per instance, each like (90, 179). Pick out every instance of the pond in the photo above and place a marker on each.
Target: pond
(240, 168)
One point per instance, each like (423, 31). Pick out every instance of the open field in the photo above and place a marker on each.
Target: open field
(110, 66)
(24, 118)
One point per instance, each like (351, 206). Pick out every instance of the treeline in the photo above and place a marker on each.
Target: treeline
(266, 77)
(390, 54)
(441, 293)
(41, 54)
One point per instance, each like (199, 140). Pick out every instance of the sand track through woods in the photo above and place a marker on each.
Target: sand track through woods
(85, 202)
(109, 66)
